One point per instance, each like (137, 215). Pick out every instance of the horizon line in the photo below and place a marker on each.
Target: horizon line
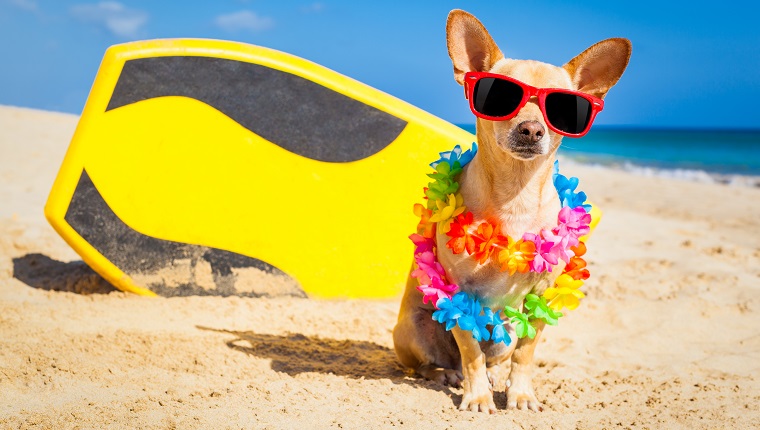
(656, 128)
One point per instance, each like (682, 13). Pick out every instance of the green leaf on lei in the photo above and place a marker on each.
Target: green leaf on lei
(523, 327)
(445, 183)
(445, 171)
(539, 309)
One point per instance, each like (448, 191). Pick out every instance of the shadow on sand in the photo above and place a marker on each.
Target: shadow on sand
(356, 359)
(42, 272)
(297, 353)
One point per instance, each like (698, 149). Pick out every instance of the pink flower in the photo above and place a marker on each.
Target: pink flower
(436, 290)
(422, 243)
(543, 260)
(573, 222)
(560, 248)
(428, 268)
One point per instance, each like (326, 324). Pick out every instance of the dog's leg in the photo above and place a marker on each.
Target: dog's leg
(498, 362)
(478, 393)
(520, 394)
(423, 344)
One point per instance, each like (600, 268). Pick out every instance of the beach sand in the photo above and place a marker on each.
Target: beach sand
(667, 337)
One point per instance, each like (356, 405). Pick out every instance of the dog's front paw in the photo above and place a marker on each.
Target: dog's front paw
(520, 395)
(497, 376)
(450, 377)
(478, 397)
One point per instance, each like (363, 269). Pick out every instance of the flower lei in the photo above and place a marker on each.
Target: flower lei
(445, 211)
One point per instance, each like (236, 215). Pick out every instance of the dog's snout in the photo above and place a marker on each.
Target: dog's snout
(531, 131)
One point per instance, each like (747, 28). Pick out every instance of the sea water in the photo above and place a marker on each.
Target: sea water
(730, 156)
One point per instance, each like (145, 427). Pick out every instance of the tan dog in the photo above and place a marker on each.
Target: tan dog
(508, 180)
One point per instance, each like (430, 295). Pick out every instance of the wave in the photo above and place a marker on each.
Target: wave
(692, 175)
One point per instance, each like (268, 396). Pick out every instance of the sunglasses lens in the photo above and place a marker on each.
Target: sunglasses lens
(496, 97)
(568, 112)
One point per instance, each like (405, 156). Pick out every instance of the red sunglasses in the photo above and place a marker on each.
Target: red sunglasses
(499, 98)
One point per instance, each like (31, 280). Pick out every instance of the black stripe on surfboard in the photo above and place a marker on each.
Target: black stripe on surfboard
(292, 112)
(145, 257)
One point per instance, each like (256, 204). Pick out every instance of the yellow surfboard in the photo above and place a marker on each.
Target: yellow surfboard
(198, 162)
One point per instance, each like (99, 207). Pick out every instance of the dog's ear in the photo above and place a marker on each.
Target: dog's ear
(471, 48)
(599, 67)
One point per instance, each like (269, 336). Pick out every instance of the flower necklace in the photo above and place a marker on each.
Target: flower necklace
(532, 252)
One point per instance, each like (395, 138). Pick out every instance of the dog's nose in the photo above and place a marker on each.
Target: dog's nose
(531, 131)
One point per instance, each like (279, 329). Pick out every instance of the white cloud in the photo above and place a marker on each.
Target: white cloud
(114, 16)
(30, 5)
(243, 20)
(313, 8)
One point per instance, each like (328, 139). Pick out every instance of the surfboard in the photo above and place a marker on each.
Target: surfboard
(212, 167)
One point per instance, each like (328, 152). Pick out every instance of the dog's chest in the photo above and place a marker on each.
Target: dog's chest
(492, 286)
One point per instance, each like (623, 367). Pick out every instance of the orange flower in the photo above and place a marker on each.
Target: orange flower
(461, 239)
(576, 269)
(575, 263)
(517, 256)
(579, 249)
(487, 238)
(425, 228)
(579, 275)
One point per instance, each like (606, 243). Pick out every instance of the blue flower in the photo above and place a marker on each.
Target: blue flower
(466, 311)
(456, 155)
(450, 310)
(566, 189)
(499, 333)
(573, 200)
(474, 321)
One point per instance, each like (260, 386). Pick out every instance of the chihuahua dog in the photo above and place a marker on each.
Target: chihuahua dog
(509, 180)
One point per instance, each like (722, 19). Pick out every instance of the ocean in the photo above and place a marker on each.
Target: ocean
(725, 156)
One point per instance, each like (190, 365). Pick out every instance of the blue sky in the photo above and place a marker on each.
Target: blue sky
(694, 64)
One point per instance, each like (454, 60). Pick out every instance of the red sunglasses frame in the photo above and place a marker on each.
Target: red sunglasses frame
(471, 78)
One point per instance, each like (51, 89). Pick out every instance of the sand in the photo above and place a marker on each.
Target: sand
(668, 336)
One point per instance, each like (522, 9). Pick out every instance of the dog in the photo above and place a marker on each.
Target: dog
(510, 181)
